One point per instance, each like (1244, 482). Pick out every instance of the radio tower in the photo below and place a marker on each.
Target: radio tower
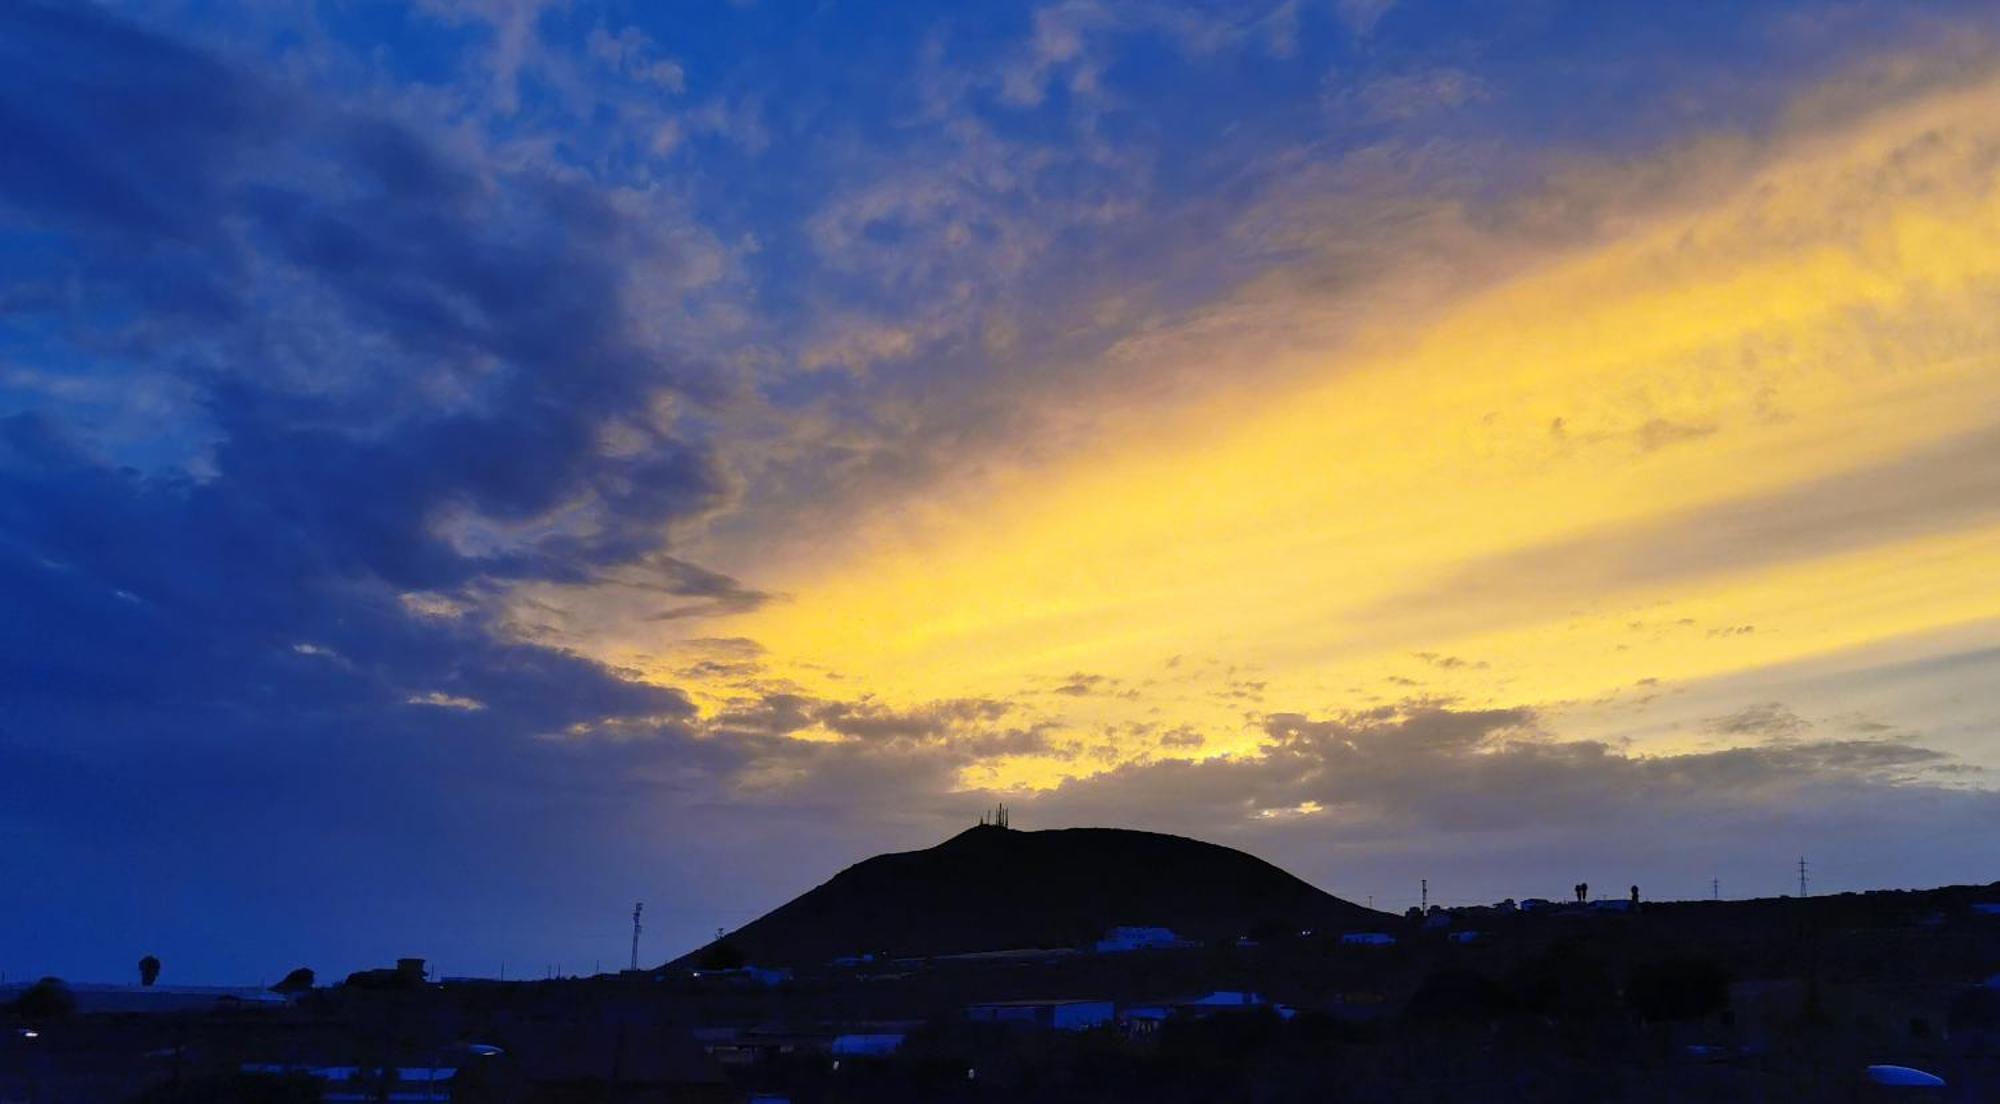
(636, 910)
(1802, 876)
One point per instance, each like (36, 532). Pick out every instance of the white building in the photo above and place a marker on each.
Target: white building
(1130, 938)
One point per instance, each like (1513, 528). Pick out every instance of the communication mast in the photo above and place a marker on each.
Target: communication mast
(636, 910)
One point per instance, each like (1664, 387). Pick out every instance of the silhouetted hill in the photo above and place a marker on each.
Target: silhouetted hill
(998, 889)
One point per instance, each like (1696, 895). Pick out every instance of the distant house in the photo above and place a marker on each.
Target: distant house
(1463, 937)
(1054, 1015)
(1368, 939)
(1611, 904)
(1227, 998)
(1132, 938)
(872, 1044)
(744, 1046)
(1438, 920)
(1145, 1017)
(754, 975)
(1986, 908)
(1533, 904)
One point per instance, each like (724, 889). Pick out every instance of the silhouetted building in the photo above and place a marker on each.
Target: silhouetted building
(1055, 1015)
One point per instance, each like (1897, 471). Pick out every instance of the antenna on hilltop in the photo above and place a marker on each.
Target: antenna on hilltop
(636, 910)
(1802, 875)
(995, 819)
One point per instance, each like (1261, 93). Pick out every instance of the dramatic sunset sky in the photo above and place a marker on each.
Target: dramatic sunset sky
(468, 466)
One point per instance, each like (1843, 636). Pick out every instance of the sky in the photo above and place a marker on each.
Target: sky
(472, 465)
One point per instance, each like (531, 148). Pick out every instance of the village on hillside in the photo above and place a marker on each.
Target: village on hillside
(1826, 998)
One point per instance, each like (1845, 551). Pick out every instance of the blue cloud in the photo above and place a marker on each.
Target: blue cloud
(400, 362)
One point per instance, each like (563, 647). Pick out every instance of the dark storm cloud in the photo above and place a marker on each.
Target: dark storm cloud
(402, 356)
(162, 168)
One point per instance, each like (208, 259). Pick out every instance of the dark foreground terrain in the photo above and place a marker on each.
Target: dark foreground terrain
(1772, 1000)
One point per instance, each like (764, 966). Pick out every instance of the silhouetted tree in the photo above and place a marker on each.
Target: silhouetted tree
(149, 970)
(45, 1001)
(298, 981)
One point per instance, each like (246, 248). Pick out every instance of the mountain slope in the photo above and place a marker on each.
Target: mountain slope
(996, 889)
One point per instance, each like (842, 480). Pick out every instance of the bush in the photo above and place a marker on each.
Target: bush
(45, 1001)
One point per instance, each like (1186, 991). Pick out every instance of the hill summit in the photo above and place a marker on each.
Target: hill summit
(992, 888)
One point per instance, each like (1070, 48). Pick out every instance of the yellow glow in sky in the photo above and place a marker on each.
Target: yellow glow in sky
(1513, 505)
